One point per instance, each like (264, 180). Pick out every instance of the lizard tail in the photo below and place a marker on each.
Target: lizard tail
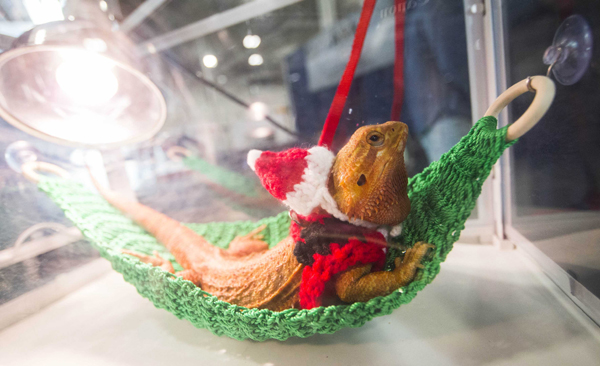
(186, 246)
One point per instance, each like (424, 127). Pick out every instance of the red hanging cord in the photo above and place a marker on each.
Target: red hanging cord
(400, 7)
(341, 94)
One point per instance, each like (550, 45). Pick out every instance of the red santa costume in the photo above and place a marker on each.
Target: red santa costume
(298, 177)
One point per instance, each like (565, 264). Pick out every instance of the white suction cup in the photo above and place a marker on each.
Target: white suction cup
(18, 153)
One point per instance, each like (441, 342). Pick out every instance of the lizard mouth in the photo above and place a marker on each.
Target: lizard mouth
(400, 144)
(383, 169)
(399, 149)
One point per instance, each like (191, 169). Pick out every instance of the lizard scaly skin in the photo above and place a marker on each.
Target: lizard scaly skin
(368, 181)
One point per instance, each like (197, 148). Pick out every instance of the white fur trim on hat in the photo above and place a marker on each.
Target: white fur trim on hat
(312, 191)
(305, 196)
(253, 155)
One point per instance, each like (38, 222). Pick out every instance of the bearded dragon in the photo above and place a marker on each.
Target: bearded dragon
(367, 181)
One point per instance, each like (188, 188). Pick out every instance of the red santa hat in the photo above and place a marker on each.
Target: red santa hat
(298, 177)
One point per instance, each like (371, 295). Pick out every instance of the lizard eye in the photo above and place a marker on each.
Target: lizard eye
(375, 138)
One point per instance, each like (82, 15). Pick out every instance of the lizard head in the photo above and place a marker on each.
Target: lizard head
(368, 179)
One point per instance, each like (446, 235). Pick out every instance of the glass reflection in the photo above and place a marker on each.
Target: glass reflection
(555, 169)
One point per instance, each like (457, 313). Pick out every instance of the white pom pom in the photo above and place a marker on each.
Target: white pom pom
(396, 230)
(253, 155)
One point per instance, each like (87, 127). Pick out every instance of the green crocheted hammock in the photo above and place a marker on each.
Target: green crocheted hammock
(442, 198)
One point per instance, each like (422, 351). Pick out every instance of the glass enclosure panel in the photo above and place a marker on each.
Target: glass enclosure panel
(23, 207)
(555, 168)
(303, 50)
(240, 75)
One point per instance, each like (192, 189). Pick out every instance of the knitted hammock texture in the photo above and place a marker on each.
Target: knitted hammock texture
(442, 198)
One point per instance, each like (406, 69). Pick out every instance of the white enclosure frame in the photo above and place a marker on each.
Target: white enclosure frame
(503, 193)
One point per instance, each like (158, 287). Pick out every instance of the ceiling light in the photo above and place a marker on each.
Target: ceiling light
(258, 111)
(210, 61)
(251, 41)
(255, 60)
(44, 11)
(262, 132)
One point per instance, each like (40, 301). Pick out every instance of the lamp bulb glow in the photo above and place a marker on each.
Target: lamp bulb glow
(86, 77)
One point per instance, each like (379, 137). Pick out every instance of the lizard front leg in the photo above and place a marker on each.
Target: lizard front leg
(158, 261)
(360, 284)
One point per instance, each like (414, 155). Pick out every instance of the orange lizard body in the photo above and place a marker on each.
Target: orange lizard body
(368, 181)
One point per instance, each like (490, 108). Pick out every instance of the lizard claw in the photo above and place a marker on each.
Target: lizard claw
(414, 255)
(407, 268)
(398, 262)
(155, 260)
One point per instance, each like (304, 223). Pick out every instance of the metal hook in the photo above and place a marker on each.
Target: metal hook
(549, 69)
(528, 83)
(556, 57)
(294, 217)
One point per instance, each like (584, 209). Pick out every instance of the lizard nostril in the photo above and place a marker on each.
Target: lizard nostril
(362, 180)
